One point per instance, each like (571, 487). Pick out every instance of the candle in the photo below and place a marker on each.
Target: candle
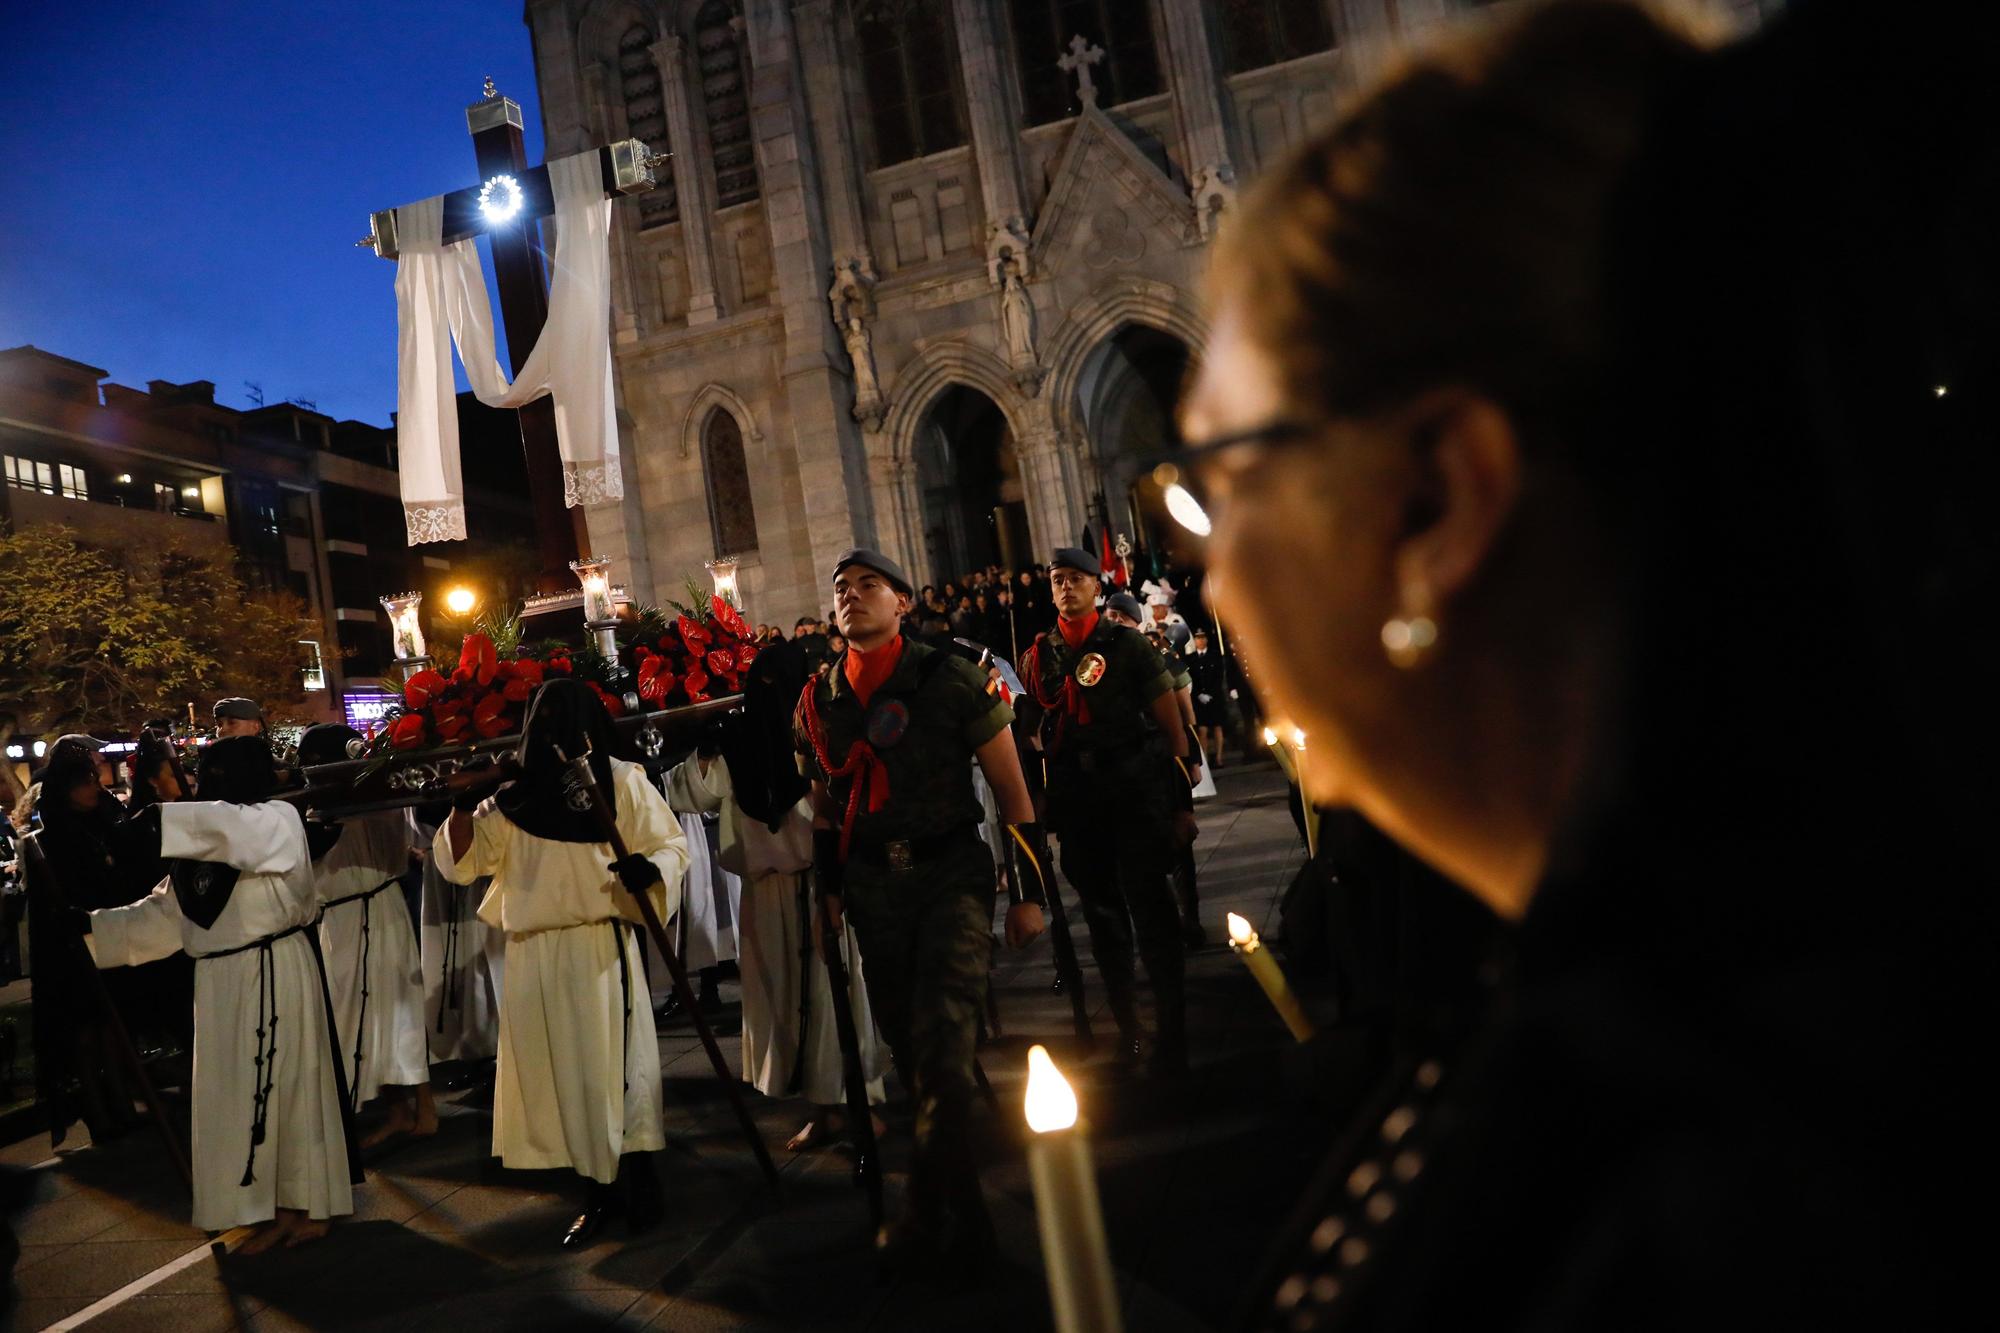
(1269, 975)
(1066, 1206)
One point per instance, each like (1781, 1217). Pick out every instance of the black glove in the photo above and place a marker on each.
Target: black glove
(713, 735)
(829, 875)
(1028, 863)
(636, 873)
(486, 773)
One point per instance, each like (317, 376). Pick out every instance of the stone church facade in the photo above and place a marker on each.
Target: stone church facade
(920, 274)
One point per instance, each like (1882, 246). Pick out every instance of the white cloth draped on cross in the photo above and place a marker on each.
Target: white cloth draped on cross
(441, 298)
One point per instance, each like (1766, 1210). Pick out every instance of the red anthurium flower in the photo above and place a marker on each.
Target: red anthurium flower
(528, 670)
(721, 661)
(727, 615)
(492, 707)
(745, 656)
(477, 653)
(422, 688)
(610, 701)
(454, 728)
(692, 634)
(499, 726)
(407, 731)
(656, 688)
(518, 691)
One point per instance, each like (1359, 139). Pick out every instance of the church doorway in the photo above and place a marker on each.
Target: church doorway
(975, 510)
(1128, 394)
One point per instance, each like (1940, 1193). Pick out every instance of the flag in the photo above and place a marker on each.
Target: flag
(1108, 561)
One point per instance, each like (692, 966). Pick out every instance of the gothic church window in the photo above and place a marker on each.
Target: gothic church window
(1129, 70)
(732, 519)
(725, 93)
(909, 74)
(1256, 33)
(646, 118)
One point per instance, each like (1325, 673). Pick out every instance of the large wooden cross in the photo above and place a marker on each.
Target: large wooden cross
(519, 264)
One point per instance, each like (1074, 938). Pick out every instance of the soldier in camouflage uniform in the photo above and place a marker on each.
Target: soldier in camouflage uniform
(1123, 608)
(1118, 768)
(888, 733)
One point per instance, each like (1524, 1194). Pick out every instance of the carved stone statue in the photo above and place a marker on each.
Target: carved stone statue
(1017, 327)
(868, 405)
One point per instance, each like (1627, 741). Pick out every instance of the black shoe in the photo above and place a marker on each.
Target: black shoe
(728, 971)
(586, 1226)
(670, 1008)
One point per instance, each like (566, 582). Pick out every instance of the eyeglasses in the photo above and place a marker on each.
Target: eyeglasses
(1177, 475)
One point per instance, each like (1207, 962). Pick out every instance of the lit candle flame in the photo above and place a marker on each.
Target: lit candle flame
(1051, 1102)
(1240, 931)
(1270, 736)
(1298, 739)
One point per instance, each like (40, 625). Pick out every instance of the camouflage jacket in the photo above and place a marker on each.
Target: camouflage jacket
(922, 726)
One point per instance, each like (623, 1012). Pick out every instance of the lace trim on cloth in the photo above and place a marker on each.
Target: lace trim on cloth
(591, 483)
(435, 521)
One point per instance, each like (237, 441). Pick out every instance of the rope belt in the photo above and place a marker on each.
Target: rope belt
(625, 987)
(265, 1061)
(448, 961)
(367, 901)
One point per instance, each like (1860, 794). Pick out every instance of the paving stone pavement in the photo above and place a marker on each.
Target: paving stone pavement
(1194, 1180)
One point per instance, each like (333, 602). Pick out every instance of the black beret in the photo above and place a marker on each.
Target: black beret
(1125, 604)
(1075, 557)
(243, 710)
(878, 562)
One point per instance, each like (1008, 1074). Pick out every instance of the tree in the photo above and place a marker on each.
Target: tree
(92, 643)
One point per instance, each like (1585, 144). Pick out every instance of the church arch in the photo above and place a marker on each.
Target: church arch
(732, 513)
(619, 35)
(1098, 317)
(929, 374)
(711, 396)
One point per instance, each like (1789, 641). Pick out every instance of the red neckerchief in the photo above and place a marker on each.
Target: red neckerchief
(1070, 697)
(866, 670)
(866, 673)
(1074, 632)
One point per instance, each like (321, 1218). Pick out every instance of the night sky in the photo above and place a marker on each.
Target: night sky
(184, 182)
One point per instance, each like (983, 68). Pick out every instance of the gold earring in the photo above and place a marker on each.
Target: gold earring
(1410, 636)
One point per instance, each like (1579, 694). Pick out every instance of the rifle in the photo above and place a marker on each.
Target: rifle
(867, 1161)
(583, 783)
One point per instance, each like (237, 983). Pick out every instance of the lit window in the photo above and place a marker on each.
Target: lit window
(314, 669)
(75, 485)
(28, 475)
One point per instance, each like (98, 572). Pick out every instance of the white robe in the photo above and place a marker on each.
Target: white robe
(776, 868)
(373, 852)
(711, 901)
(303, 1161)
(578, 1083)
(464, 962)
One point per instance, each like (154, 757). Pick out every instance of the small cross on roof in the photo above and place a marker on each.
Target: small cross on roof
(1082, 55)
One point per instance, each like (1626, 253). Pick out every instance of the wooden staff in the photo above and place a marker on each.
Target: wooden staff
(586, 782)
(121, 1036)
(861, 1120)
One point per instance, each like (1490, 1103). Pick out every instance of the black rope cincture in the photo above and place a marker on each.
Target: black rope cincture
(367, 901)
(625, 985)
(266, 1058)
(448, 963)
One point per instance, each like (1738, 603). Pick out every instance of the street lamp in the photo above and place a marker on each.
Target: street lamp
(600, 613)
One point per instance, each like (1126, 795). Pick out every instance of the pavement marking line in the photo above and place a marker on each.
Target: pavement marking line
(140, 1284)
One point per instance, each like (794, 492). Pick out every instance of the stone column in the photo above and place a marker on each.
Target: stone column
(609, 118)
(996, 131)
(694, 186)
(565, 129)
(833, 474)
(827, 95)
(1055, 504)
(894, 484)
(1200, 106)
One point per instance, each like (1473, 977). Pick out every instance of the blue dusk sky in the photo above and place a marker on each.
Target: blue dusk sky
(182, 184)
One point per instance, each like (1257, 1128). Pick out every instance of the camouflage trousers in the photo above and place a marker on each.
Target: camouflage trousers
(1121, 869)
(927, 935)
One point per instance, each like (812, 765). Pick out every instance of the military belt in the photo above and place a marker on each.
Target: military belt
(906, 853)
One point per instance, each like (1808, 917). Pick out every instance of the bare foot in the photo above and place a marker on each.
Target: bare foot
(264, 1237)
(809, 1135)
(401, 1119)
(427, 1113)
